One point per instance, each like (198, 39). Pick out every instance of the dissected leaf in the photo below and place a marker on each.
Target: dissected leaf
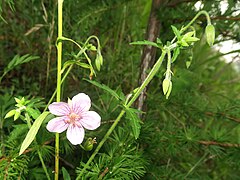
(134, 120)
(33, 112)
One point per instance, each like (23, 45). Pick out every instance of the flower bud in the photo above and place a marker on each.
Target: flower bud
(210, 34)
(167, 87)
(88, 145)
(99, 61)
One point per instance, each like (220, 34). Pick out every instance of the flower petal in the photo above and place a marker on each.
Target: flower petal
(90, 120)
(59, 108)
(75, 134)
(57, 125)
(80, 103)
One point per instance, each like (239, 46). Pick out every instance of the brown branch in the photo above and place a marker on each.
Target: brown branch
(175, 3)
(103, 173)
(224, 115)
(209, 143)
(226, 18)
(149, 52)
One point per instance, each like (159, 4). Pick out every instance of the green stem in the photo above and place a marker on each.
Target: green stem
(43, 164)
(95, 37)
(192, 169)
(194, 19)
(152, 73)
(135, 96)
(59, 68)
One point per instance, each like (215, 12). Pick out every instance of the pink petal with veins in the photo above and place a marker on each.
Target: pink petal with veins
(59, 108)
(57, 125)
(75, 134)
(80, 103)
(90, 120)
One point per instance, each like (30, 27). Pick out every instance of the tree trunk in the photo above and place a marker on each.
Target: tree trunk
(149, 52)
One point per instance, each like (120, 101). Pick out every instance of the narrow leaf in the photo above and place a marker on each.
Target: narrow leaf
(32, 132)
(145, 42)
(66, 175)
(176, 52)
(176, 32)
(17, 60)
(84, 65)
(10, 114)
(189, 62)
(106, 88)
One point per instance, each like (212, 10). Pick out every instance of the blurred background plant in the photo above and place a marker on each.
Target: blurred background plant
(195, 134)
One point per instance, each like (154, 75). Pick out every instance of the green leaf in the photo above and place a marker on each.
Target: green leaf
(188, 37)
(10, 114)
(66, 175)
(68, 63)
(106, 88)
(191, 39)
(17, 114)
(176, 52)
(32, 132)
(189, 34)
(33, 112)
(159, 41)
(91, 47)
(17, 60)
(189, 62)
(131, 115)
(84, 65)
(184, 43)
(145, 42)
(176, 32)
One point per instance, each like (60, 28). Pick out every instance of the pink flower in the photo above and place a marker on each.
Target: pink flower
(73, 116)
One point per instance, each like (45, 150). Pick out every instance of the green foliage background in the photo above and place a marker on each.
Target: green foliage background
(195, 134)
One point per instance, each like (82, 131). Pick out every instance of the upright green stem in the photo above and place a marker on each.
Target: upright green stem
(59, 68)
(135, 96)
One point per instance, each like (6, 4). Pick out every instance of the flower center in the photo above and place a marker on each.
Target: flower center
(73, 118)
